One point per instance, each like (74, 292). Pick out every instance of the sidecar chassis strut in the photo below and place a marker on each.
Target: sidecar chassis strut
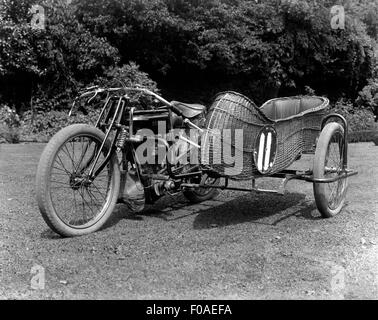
(285, 175)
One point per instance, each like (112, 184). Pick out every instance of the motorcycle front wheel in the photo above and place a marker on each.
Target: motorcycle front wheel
(69, 202)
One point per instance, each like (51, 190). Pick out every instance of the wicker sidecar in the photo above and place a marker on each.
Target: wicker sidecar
(274, 136)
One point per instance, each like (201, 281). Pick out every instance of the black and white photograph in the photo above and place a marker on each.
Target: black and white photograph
(188, 150)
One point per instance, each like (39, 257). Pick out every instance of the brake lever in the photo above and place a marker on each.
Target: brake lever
(72, 107)
(81, 108)
(95, 95)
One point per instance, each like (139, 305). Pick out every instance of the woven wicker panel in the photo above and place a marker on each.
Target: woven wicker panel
(290, 143)
(231, 110)
(298, 132)
(311, 128)
(295, 134)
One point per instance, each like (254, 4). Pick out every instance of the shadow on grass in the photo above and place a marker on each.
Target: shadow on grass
(156, 210)
(49, 234)
(240, 210)
(246, 209)
(123, 212)
(120, 212)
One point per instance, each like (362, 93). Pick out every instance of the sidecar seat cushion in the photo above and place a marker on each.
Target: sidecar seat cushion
(284, 108)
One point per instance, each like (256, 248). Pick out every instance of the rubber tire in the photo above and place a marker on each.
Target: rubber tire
(194, 197)
(42, 181)
(319, 161)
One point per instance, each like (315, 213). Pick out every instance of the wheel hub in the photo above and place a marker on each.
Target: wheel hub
(77, 181)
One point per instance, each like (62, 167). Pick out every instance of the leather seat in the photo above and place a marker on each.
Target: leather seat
(283, 108)
(189, 110)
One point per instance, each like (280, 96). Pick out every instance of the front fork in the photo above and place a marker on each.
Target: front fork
(93, 160)
(93, 173)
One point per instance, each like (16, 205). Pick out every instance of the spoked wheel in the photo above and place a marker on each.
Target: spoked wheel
(202, 194)
(70, 203)
(328, 163)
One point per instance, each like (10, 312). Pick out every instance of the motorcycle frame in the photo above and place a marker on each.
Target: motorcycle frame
(118, 122)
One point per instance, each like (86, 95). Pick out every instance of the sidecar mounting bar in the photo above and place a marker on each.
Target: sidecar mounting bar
(308, 175)
(253, 189)
(286, 176)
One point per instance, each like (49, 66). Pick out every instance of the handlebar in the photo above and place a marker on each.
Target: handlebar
(93, 93)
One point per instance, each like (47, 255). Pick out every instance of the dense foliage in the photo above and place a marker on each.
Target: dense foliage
(191, 48)
(262, 48)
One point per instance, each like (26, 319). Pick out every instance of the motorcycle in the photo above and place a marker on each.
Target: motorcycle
(129, 156)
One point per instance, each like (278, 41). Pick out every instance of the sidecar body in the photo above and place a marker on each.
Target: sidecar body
(273, 136)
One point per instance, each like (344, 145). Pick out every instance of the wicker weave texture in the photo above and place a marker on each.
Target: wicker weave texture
(231, 110)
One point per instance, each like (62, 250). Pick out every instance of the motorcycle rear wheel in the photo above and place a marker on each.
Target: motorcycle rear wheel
(198, 195)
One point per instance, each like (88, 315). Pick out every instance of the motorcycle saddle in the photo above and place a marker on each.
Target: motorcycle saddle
(189, 110)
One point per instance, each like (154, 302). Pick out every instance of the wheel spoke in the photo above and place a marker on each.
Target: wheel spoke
(61, 163)
(83, 197)
(99, 192)
(60, 187)
(93, 199)
(77, 203)
(67, 173)
(83, 153)
(334, 161)
(66, 152)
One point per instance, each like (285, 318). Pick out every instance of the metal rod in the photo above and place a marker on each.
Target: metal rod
(131, 121)
(102, 112)
(330, 180)
(188, 174)
(104, 141)
(345, 174)
(280, 192)
(189, 141)
(191, 124)
(107, 158)
(195, 185)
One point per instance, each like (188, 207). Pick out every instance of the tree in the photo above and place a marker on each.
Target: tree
(50, 61)
(240, 44)
(193, 48)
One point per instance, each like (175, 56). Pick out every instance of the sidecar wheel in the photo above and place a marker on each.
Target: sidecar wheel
(70, 204)
(328, 162)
